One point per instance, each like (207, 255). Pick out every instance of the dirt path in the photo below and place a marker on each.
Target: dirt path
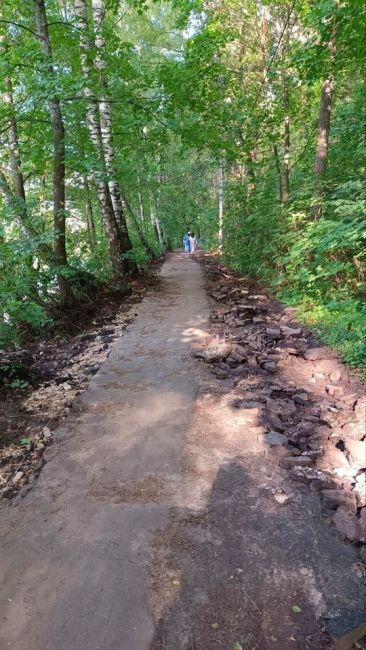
(158, 522)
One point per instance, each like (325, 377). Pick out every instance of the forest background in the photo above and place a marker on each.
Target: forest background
(123, 124)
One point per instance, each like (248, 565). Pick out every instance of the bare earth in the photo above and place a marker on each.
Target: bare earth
(158, 520)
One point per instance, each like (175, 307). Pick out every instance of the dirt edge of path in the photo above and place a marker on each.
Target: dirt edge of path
(58, 370)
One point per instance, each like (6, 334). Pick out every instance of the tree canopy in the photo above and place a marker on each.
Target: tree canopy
(123, 124)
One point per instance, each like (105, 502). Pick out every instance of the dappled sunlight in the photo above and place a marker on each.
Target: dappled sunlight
(194, 335)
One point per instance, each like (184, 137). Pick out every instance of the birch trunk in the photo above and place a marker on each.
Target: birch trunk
(58, 135)
(322, 146)
(93, 124)
(155, 219)
(89, 213)
(98, 11)
(141, 209)
(15, 162)
(15, 195)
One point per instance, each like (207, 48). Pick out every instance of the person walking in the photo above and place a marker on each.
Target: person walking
(192, 242)
(186, 243)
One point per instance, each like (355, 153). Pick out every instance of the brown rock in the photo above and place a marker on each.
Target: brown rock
(316, 354)
(314, 453)
(276, 452)
(273, 332)
(319, 484)
(333, 458)
(360, 410)
(274, 421)
(300, 398)
(221, 374)
(252, 362)
(291, 331)
(335, 376)
(354, 430)
(216, 352)
(18, 477)
(273, 438)
(304, 474)
(274, 357)
(295, 461)
(350, 399)
(336, 498)
(334, 391)
(295, 451)
(351, 527)
(270, 366)
(356, 453)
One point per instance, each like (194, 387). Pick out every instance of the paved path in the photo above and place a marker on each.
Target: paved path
(72, 564)
(152, 525)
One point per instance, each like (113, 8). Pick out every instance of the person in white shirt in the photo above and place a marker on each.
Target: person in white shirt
(192, 242)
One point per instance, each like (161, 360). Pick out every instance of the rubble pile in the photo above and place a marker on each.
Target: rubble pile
(312, 406)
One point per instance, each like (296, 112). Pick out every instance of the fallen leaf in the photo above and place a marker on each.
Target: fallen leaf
(296, 609)
(237, 646)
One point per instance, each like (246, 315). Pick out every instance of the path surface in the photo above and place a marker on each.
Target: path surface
(153, 523)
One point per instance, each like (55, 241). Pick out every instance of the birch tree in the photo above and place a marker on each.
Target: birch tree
(111, 227)
(98, 10)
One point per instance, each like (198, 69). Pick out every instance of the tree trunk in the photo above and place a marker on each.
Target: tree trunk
(286, 143)
(321, 156)
(16, 172)
(98, 11)
(155, 219)
(108, 217)
(15, 196)
(89, 213)
(141, 209)
(220, 199)
(278, 173)
(58, 134)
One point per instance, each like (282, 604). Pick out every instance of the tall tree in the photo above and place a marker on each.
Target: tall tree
(98, 11)
(322, 143)
(110, 224)
(58, 135)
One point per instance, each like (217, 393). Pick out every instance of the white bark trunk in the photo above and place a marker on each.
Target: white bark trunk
(94, 127)
(98, 11)
(155, 219)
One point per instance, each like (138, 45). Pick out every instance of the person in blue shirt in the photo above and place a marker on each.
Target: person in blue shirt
(186, 243)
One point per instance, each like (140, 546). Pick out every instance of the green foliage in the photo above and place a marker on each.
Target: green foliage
(192, 89)
(19, 383)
